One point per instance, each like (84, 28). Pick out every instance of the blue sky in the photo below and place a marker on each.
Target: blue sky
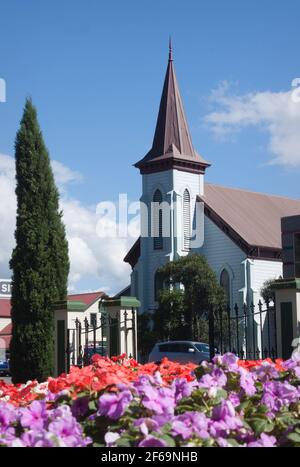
(95, 71)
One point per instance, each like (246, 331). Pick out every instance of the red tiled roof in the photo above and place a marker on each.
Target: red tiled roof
(87, 298)
(5, 307)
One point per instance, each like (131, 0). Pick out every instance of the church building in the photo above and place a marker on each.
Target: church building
(238, 231)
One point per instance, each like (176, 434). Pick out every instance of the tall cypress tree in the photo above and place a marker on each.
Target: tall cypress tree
(39, 261)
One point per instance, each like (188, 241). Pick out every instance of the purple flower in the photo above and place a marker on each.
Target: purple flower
(80, 407)
(152, 442)
(182, 388)
(217, 379)
(181, 429)
(113, 405)
(277, 394)
(266, 371)
(38, 439)
(192, 423)
(265, 441)
(68, 432)
(234, 399)
(8, 415)
(111, 438)
(224, 420)
(225, 409)
(161, 401)
(247, 382)
(34, 416)
(148, 424)
(229, 360)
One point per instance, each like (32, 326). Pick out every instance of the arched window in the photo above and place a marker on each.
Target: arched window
(186, 220)
(225, 283)
(158, 285)
(157, 220)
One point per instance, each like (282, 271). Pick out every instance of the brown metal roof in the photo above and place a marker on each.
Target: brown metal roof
(255, 217)
(172, 136)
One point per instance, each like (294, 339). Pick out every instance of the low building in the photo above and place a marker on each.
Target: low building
(81, 306)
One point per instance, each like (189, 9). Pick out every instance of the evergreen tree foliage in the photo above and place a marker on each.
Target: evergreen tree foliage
(39, 262)
(200, 289)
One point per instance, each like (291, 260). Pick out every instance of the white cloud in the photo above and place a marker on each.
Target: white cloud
(7, 212)
(275, 113)
(92, 258)
(64, 175)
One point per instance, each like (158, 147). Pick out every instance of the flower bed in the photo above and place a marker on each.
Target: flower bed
(121, 403)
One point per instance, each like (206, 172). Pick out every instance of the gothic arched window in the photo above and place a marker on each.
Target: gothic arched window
(158, 285)
(225, 283)
(157, 221)
(186, 220)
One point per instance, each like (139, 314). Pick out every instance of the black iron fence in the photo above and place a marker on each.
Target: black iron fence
(249, 332)
(99, 336)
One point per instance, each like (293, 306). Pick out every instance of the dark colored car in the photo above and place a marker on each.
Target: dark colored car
(4, 367)
(90, 351)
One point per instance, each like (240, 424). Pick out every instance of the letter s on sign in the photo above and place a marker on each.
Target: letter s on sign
(296, 92)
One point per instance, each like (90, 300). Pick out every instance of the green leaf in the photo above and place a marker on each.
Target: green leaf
(170, 441)
(233, 443)
(123, 442)
(93, 406)
(260, 425)
(294, 437)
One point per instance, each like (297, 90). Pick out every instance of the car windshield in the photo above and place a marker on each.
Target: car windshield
(99, 350)
(202, 347)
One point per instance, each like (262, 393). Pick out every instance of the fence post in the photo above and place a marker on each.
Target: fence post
(211, 327)
(68, 350)
(260, 305)
(236, 309)
(275, 329)
(133, 314)
(221, 329)
(125, 332)
(79, 355)
(86, 329)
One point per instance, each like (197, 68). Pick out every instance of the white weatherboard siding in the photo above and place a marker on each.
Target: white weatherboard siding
(263, 270)
(246, 275)
(172, 184)
(221, 252)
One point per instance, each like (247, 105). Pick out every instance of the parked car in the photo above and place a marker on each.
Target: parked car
(4, 367)
(180, 351)
(90, 351)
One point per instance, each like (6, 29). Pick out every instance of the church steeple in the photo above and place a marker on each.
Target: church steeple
(172, 145)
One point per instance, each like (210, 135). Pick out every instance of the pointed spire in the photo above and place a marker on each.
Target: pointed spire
(171, 126)
(172, 136)
(170, 50)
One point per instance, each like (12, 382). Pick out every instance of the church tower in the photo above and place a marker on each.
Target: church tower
(173, 177)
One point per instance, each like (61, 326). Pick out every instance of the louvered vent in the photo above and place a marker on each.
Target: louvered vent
(186, 221)
(157, 221)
